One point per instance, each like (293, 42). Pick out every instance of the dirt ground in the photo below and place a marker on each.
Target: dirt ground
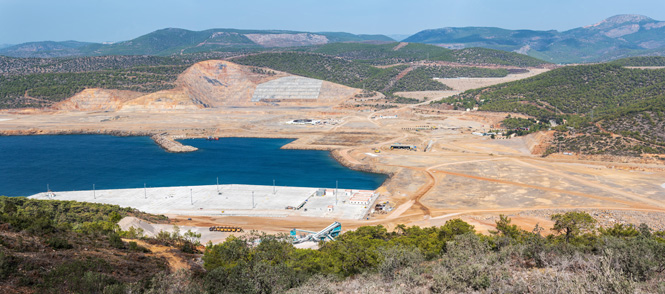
(461, 175)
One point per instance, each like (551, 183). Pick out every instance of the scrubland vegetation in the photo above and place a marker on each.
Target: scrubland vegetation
(593, 100)
(65, 246)
(641, 61)
(53, 87)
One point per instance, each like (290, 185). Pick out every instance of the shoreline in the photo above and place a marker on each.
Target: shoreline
(170, 144)
(334, 151)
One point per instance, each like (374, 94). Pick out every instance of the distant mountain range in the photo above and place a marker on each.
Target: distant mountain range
(616, 37)
(173, 41)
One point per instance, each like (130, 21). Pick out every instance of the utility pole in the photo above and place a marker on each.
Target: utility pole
(93, 191)
(191, 196)
(274, 190)
(252, 199)
(145, 191)
(217, 185)
(336, 188)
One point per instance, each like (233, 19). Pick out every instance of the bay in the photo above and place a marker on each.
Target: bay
(75, 162)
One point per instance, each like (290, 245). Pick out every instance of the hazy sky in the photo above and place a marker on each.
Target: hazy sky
(118, 20)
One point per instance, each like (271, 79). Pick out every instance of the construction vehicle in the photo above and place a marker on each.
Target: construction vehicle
(377, 150)
(330, 232)
(226, 229)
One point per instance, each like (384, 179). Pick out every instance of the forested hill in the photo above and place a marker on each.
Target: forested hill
(171, 41)
(641, 61)
(391, 53)
(573, 90)
(361, 75)
(625, 101)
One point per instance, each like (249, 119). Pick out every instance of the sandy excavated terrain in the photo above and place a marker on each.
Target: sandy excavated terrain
(460, 85)
(460, 176)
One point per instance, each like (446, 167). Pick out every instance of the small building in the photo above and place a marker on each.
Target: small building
(359, 200)
(363, 197)
(304, 121)
(401, 146)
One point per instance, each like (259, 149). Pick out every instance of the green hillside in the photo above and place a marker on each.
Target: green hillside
(391, 53)
(479, 55)
(49, 88)
(315, 66)
(51, 246)
(627, 102)
(641, 61)
(359, 74)
(573, 90)
(386, 53)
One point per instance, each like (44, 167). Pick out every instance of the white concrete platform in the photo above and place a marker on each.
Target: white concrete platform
(231, 200)
(291, 87)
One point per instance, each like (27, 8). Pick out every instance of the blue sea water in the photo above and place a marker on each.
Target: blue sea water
(75, 162)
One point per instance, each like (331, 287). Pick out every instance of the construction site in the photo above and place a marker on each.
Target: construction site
(438, 168)
(233, 200)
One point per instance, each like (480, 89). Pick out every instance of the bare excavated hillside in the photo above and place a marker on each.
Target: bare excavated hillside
(96, 100)
(214, 84)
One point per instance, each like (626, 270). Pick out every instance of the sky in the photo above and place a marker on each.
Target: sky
(119, 20)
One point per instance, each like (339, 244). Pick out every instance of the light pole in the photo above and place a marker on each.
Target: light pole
(191, 197)
(336, 190)
(274, 191)
(252, 199)
(93, 191)
(145, 191)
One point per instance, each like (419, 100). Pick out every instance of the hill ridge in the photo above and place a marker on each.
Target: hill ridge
(616, 37)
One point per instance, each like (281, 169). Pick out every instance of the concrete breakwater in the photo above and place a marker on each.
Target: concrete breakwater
(170, 145)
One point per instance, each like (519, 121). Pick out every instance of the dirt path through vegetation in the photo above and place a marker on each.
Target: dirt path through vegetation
(175, 262)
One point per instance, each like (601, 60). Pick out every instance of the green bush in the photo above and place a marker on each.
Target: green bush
(115, 241)
(58, 243)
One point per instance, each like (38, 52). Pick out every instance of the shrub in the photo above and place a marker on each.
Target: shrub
(115, 241)
(58, 243)
(133, 246)
(397, 258)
